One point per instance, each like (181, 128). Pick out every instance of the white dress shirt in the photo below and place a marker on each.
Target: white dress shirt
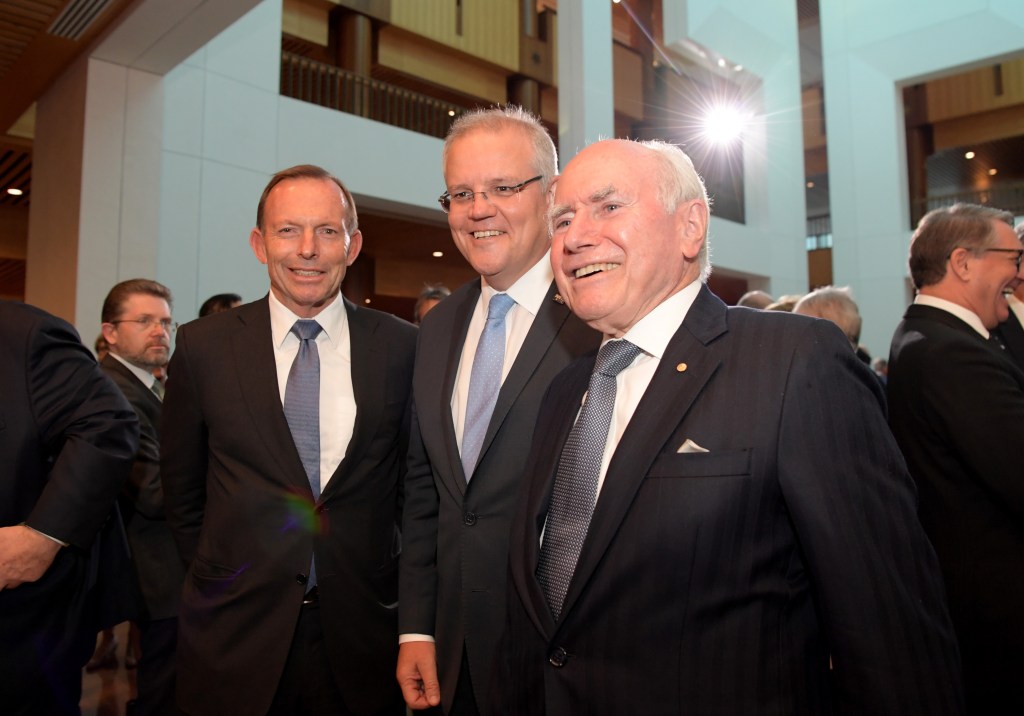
(337, 399)
(528, 293)
(651, 335)
(964, 314)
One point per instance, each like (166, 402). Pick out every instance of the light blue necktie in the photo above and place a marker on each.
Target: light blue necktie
(575, 491)
(485, 381)
(302, 408)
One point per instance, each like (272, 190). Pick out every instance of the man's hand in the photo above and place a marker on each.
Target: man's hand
(25, 555)
(417, 674)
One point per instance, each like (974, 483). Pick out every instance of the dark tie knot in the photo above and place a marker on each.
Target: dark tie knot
(499, 305)
(306, 329)
(614, 357)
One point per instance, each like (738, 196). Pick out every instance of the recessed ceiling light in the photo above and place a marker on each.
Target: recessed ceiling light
(14, 191)
(810, 185)
(969, 155)
(993, 172)
(366, 300)
(437, 254)
(451, 112)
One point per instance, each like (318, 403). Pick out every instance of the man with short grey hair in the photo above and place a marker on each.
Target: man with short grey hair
(486, 356)
(696, 536)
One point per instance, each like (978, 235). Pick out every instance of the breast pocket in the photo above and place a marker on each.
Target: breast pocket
(705, 464)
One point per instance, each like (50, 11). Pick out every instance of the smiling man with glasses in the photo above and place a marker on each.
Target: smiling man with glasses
(956, 405)
(487, 354)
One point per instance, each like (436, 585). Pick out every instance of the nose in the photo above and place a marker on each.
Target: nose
(481, 206)
(307, 247)
(580, 233)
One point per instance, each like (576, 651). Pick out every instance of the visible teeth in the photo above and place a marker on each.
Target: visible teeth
(594, 268)
(485, 234)
(302, 272)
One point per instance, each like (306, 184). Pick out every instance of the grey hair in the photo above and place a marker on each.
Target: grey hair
(495, 119)
(679, 182)
(836, 305)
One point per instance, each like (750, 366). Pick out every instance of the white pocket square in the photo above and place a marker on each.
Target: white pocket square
(691, 446)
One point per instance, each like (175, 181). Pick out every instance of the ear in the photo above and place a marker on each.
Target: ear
(258, 245)
(691, 218)
(959, 263)
(109, 331)
(355, 245)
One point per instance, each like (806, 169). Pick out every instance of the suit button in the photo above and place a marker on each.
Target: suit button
(469, 519)
(558, 658)
(301, 578)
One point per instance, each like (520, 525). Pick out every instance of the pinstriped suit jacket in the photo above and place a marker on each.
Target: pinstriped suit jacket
(726, 582)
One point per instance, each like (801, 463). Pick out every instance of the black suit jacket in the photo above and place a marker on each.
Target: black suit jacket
(67, 437)
(158, 568)
(723, 582)
(957, 409)
(453, 568)
(241, 508)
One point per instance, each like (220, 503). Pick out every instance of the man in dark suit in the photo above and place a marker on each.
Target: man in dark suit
(137, 326)
(466, 454)
(701, 537)
(67, 437)
(284, 440)
(956, 403)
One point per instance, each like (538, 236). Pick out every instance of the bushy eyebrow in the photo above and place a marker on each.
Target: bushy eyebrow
(559, 210)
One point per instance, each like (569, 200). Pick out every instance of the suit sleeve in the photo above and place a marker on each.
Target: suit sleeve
(85, 425)
(144, 487)
(853, 505)
(417, 583)
(183, 451)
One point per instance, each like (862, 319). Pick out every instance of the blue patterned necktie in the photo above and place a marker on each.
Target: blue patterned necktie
(302, 401)
(575, 491)
(302, 409)
(484, 381)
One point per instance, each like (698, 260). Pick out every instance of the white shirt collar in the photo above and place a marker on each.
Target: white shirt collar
(531, 288)
(653, 332)
(964, 314)
(333, 319)
(144, 376)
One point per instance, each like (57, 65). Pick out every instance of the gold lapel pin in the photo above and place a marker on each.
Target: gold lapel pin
(557, 298)
(681, 368)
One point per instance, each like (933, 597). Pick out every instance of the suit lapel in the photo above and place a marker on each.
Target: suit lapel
(369, 385)
(252, 349)
(549, 321)
(665, 403)
(459, 331)
(565, 404)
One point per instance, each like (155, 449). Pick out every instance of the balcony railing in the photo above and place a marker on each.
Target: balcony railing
(328, 86)
(1007, 196)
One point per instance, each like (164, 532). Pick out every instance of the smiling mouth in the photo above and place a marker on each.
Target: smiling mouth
(486, 234)
(307, 273)
(592, 269)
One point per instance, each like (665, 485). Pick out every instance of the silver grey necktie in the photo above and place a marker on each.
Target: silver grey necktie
(575, 490)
